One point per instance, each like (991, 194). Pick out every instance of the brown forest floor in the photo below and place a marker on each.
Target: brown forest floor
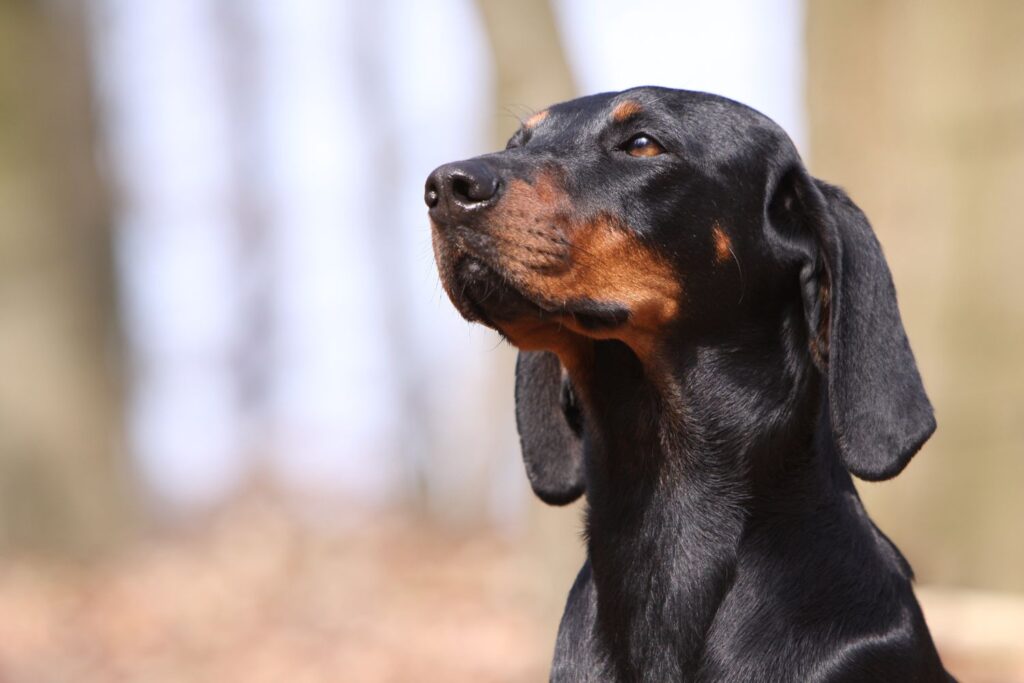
(256, 596)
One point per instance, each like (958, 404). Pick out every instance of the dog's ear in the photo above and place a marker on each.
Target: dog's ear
(550, 428)
(879, 411)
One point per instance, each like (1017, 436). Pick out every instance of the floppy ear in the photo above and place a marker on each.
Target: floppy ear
(550, 428)
(880, 413)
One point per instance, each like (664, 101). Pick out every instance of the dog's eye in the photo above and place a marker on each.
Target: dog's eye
(642, 145)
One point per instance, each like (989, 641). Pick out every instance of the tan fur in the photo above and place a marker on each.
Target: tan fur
(723, 245)
(534, 120)
(555, 256)
(626, 109)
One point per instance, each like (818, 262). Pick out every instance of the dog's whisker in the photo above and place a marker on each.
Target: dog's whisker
(740, 271)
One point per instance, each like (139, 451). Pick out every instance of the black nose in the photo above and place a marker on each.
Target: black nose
(454, 190)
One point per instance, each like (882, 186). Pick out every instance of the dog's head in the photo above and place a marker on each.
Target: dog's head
(655, 215)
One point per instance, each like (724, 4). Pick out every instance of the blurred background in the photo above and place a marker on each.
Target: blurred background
(244, 435)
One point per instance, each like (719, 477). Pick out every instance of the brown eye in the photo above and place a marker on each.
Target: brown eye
(642, 145)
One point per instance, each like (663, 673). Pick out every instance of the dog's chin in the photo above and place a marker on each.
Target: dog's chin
(483, 295)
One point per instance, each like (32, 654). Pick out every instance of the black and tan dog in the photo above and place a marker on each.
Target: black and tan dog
(710, 347)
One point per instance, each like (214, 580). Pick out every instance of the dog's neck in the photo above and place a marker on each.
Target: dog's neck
(677, 457)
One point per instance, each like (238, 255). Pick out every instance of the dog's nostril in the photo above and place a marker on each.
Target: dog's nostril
(462, 189)
(472, 184)
(430, 195)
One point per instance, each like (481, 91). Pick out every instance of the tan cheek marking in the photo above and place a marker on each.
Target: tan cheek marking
(534, 120)
(598, 259)
(528, 225)
(609, 264)
(626, 109)
(723, 245)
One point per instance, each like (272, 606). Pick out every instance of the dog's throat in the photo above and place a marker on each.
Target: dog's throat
(663, 531)
(662, 580)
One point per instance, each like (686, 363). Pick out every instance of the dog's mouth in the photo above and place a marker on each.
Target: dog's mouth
(483, 293)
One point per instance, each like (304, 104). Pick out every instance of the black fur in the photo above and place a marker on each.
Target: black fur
(725, 539)
(544, 405)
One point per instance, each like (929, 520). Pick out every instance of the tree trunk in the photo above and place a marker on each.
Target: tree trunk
(62, 477)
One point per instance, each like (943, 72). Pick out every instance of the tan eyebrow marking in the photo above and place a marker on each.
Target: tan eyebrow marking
(723, 245)
(626, 109)
(536, 119)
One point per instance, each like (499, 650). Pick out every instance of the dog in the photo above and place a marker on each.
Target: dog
(710, 346)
